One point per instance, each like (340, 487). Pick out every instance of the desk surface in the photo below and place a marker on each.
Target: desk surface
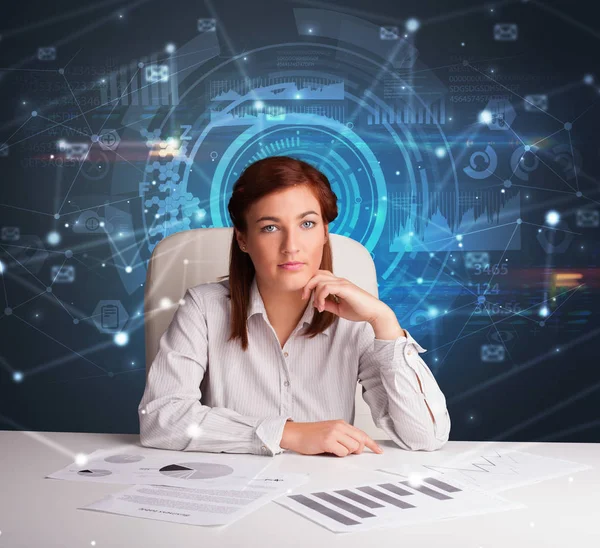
(36, 511)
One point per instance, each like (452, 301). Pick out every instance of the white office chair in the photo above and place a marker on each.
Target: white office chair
(201, 255)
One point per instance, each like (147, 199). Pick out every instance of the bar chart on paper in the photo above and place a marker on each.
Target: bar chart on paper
(393, 503)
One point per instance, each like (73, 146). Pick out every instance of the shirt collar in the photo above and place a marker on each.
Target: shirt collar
(257, 306)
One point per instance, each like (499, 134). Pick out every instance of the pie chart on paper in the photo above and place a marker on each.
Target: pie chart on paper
(94, 473)
(196, 470)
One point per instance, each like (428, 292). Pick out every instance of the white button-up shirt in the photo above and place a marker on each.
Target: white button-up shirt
(204, 393)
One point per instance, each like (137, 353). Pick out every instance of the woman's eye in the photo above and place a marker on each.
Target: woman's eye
(264, 228)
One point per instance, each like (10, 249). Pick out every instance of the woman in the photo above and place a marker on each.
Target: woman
(286, 344)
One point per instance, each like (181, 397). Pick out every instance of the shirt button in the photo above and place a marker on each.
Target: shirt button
(286, 383)
(286, 354)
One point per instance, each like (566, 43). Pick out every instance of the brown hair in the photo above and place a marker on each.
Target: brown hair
(260, 178)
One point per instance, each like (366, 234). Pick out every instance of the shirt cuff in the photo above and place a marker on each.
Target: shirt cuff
(269, 433)
(387, 350)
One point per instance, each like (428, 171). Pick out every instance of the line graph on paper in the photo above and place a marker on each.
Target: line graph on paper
(494, 471)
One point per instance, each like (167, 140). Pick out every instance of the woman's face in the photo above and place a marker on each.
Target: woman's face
(288, 234)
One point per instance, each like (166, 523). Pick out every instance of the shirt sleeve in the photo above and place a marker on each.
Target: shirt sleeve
(170, 413)
(400, 390)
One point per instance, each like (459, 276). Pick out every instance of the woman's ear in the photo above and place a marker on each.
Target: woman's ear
(238, 238)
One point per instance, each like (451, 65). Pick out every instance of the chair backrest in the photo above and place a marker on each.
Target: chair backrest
(201, 255)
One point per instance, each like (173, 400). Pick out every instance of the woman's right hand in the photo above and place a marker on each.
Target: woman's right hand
(335, 436)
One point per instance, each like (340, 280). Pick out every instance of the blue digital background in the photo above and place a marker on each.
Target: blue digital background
(460, 138)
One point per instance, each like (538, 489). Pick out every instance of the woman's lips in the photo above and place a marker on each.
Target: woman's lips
(296, 266)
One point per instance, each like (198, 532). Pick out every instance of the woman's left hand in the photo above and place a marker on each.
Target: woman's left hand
(352, 303)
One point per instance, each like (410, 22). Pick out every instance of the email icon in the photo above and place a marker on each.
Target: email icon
(207, 25)
(535, 103)
(505, 32)
(473, 259)
(46, 54)
(157, 73)
(64, 274)
(10, 233)
(588, 218)
(492, 353)
(76, 151)
(389, 33)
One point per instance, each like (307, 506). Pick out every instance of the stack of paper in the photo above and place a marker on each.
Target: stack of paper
(193, 488)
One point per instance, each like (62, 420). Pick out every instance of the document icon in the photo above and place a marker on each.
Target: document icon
(505, 32)
(492, 353)
(10, 233)
(588, 218)
(535, 103)
(109, 316)
(157, 73)
(46, 54)
(63, 274)
(388, 33)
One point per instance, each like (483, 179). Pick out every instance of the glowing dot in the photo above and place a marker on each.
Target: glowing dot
(81, 459)
(170, 48)
(121, 338)
(297, 96)
(544, 311)
(1, 267)
(143, 411)
(102, 223)
(440, 152)
(419, 280)
(17, 376)
(459, 237)
(570, 480)
(414, 480)
(258, 105)
(53, 238)
(128, 269)
(165, 303)
(397, 173)
(412, 24)
(588, 79)
(194, 430)
(181, 302)
(485, 117)
(93, 543)
(431, 254)
(433, 311)
(552, 218)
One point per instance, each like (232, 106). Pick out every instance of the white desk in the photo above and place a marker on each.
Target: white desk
(39, 512)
